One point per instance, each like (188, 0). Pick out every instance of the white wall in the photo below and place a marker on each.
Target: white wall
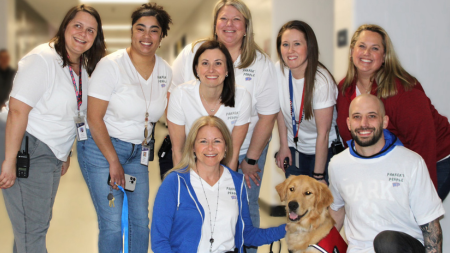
(7, 30)
(318, 14)
(420, 33)
(343, 19)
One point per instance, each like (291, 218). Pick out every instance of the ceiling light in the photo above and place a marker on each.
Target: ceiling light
(114, 1)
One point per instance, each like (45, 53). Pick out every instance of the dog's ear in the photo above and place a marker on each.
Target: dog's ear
(281, 189)
(325, 198)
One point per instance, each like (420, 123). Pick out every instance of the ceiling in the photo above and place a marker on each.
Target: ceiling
(114, 14)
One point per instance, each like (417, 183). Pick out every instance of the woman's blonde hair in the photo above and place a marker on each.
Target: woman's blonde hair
(249, 46)
(188, 159)
(388, 72)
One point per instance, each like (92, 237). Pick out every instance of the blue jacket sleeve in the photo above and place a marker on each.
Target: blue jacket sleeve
(164, 209)
(258, 236)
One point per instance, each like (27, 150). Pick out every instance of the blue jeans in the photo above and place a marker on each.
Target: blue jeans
(253, 193)
(443, 177)
(306, 163)
(29, 201)
(95, 169)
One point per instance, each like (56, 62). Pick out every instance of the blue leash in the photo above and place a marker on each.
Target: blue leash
(124, 223)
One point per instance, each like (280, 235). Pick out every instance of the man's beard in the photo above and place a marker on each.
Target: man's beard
(377, 133)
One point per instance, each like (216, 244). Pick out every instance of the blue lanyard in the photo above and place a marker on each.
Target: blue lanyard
(300, 114)
(124, 225)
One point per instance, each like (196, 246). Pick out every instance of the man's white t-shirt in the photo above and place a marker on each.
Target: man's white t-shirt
(391, 192)
(42, 83)
(185, 107)
(324, 96)
(259, 79)
(227, 212)
(116, 80)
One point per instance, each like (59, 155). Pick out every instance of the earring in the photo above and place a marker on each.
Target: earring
(226, 75)
(225, 155)
(245, 35)
(195, 156)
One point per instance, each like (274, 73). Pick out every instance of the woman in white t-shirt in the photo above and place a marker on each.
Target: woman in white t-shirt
(202, 205)
(49, 92)
(213, 93)
(127, 92)
(307, 92)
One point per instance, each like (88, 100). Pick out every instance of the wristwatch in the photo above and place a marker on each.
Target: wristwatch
(250, 161)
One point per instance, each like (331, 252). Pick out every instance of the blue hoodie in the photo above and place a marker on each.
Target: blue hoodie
(178, 217)
(391, 142)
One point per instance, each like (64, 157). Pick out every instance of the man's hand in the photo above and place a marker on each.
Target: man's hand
(8, 175)
(250, 171)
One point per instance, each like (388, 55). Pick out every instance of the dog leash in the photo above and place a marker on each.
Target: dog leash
(124, 222)
(271, 245)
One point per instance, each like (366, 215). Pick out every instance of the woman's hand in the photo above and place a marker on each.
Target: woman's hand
(16, 124)
(281, 156)
(8, 175)
(65, 166)
(117, 175)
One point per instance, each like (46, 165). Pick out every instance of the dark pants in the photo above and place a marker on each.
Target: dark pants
(443, 177)
(165, 164)
(306, 163)
(395, 242)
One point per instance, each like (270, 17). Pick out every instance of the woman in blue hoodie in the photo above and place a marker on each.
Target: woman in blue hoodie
(202, 205)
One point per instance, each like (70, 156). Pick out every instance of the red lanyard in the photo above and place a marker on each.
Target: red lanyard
(79, 90)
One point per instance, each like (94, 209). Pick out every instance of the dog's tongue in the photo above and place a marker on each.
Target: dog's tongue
(293, 215)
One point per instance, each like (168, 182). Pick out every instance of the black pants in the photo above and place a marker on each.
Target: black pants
(394, 242)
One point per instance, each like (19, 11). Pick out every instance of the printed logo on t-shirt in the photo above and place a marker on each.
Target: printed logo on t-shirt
(162, 80)
(249, 73)
(232, 192)
(395, 184)
(395, 177)
(232, 117)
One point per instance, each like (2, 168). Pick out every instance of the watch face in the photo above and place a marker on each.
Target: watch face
(251, 161)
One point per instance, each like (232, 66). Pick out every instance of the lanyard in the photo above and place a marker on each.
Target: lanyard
(79, 90)
(300, 114)
(124, 222)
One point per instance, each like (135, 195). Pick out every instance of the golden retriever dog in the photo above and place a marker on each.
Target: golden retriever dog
(308, 219)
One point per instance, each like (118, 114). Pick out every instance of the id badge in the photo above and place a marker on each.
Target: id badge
(297, 158)
(145, 154)
(80, 124)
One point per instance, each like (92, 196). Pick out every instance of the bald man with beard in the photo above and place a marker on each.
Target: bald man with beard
(383, 194)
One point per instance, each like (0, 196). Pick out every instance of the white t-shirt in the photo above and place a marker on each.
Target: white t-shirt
(42, 83)
(324, 96)
(116, 80)
(227, 212)
(391, 192)
(185, 107)
(259, 79)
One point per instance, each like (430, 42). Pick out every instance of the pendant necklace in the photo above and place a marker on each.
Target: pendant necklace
(209, 209)
(144, 142)
(214, 108)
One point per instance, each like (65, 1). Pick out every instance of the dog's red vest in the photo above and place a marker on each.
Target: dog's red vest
(332, 243)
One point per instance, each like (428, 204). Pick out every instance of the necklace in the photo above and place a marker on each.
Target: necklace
(144, 142)
(214, 108)
(209, 209)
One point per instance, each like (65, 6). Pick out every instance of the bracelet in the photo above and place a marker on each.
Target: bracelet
(319, 176)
